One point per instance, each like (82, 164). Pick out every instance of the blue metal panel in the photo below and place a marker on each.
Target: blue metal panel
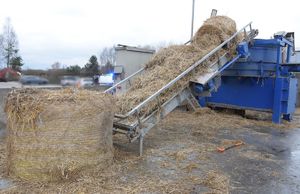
(244, 92)
(260, 81)
(265, 54)
(251, 69)
(268, 42)
(256, 94)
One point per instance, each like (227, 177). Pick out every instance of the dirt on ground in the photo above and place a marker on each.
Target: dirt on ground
(180, 156)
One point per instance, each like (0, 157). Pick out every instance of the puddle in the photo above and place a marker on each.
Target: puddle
(5, 184)
(2, 133)
(272, 162)
(2, 129)
(293, 167)
(295, 155)
(267, 130)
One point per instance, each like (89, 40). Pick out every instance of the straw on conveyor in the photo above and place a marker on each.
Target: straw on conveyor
(169, 62)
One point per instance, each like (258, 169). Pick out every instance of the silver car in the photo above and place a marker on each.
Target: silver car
(86, 82)
(32, 79)
(69, 80)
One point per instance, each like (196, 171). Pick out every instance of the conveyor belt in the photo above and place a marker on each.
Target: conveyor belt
(139, 126)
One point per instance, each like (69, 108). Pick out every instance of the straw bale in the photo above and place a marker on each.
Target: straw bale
(208, 35)
(219, 27)
(2, 156)
(169, 62)
(54, 135)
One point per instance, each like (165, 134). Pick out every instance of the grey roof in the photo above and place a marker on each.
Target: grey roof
(134, 49)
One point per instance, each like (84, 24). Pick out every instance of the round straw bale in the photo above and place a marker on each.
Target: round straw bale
(215, 30)
(54, 135)
(208, 35)
(224, 23)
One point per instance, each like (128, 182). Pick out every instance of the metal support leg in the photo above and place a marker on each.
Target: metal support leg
(276, 117)
(141, 139)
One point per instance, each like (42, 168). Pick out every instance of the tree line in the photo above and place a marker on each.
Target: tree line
(10, 56)
(105, 65)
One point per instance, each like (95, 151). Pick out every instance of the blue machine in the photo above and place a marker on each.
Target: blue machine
(261, 77)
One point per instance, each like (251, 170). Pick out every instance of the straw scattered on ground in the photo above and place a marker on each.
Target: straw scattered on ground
(217, 182)
(208, 120)
(223, 119)
(124, 176)
(177, 159)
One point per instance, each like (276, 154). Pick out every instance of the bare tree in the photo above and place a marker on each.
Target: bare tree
(107, 56)
(56, 65)
(1, 52)
(8, 43)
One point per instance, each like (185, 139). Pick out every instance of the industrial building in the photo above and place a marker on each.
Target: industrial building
(129, 59)
(132, 58)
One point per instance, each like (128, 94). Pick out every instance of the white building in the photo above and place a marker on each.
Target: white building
(132, 58)
(129, 60)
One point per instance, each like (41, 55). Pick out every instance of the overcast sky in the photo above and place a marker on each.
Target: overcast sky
(70, 31)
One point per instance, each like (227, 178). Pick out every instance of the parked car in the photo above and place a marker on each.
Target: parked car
(31, 79)
(106, 80)
(86, 82)
(69, 80)
(8, 74)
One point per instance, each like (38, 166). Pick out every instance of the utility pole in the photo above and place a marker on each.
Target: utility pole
(193, 12)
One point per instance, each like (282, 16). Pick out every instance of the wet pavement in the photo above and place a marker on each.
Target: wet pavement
(14, 84)
(268, 163)
(5, 183)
